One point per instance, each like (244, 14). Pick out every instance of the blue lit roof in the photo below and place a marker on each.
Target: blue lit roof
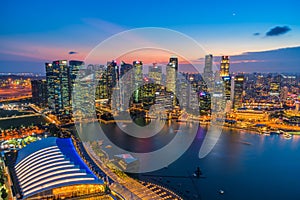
(50, 163)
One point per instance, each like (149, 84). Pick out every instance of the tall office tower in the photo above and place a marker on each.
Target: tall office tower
(182, 86)
(224, 69)
(239, 81)
(39, 92)
(155, 73)
(101, 87)
(208, 72)
(171, 70)
(204, 103)
(224, 74)
(58, 87)
(112, 75)
(138, 81)
(125, 67)
(74, 69)
(126, 84)
(50, 81)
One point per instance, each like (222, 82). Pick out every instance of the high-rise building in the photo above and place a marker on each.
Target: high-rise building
(125, 67)
(239, 81)
(51, 76)
(224, 69)
(224, 74)
(126, 84)
(74, 69)
(138, 81)
(39, 92)
(112, 77)
(204, 103)
(101, 88)
(171, 70)
(208, 72)
(58, 77)
(155, 73)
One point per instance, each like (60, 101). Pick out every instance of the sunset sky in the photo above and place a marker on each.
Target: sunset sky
(258, 35)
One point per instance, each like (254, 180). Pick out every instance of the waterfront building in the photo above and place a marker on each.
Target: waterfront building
(238, 91)
(208, 72)
(138, 81)
(50, 169)
(155, 73)
(112, 77)
(39, 93)
(224, 74)
(59, 100)
(171, 71)
(126, 85)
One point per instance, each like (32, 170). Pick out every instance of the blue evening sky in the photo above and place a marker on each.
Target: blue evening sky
(34, 32)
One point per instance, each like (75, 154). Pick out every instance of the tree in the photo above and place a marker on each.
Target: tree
(3, 193)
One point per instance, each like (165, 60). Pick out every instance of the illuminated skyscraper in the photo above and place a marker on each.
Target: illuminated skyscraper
(50, 80)
(208, 72)
(239, 81)
(58, 77)
(224, 69)
(74, 69)
(138, 80)
(224, 74)
(112, 77)
(155, 73)
(39, 92)
(125, 67)
(101, 88)
(126, 84)
(171, 70)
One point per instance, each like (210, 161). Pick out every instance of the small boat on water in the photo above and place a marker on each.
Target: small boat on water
(287, 135)
(267, 133)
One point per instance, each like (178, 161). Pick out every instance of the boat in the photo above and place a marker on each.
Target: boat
(287, 136)
(267, 133)
(221, 191)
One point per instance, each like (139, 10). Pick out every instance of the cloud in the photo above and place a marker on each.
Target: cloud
(276, 60)
(73, 52)
(278, 30)
(256, 34)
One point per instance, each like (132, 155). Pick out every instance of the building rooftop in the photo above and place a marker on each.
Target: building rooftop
(50, 163)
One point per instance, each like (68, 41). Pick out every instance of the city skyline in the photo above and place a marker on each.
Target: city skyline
(263, 42)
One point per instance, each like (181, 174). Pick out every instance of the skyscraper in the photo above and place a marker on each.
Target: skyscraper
(224, 74)
(112, 77)
(57, 76)
(171, 70)
(208, 72)
(224, 69)
(138, 80)
(101, 88)
(125, 67)
(155, 73)
(238, 91)
(39, 92)
(74, 69)
(126, 84)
